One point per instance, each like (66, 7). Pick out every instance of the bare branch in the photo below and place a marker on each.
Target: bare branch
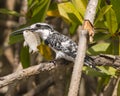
(107, 60)
(116, 88)
(108, 90)
(45, 84)
(18, 75)
(100, 60)
(77, 71)
(91, 11)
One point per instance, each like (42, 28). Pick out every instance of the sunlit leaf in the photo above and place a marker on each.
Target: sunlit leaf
(92, 72)
(111, 21)
(9, 12)
(102, 12)
(80, 6)
(108, 70)
(53, 13)
(105, 71)
(45, 51)
(53, 10)
(98, 48)
(25, 57)
(69, 12)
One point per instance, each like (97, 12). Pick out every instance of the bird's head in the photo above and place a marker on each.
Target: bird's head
(42, 28)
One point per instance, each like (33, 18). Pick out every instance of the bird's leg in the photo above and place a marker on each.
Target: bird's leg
(53, 61)
(60, 61)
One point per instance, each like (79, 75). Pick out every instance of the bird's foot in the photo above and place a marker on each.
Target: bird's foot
(60, 61)
(53, 61)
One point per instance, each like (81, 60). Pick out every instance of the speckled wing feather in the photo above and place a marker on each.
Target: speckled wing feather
(62, 43)
(66, 45)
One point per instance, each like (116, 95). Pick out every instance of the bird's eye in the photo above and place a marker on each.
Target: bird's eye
(38, 25)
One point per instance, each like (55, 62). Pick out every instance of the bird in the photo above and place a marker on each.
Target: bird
(62, 45)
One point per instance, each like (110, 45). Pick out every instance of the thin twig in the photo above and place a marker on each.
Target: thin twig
(115, 93)
(45, 84)
(108, 90)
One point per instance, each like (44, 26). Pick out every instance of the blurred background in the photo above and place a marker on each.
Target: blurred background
(65, 16)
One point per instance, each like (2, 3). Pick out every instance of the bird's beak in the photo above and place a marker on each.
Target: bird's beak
(20, 31)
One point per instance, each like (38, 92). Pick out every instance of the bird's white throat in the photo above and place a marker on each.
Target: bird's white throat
(44, 33)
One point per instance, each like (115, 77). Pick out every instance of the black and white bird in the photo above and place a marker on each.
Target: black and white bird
(62, 45)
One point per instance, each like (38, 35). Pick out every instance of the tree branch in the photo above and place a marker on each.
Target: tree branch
(18, 75)
(77, 71)
(82, 45)
(91, 10)
(107, 60)
(100, 60)
(41, 87)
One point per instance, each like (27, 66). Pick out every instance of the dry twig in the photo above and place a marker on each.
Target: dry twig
(45, 84)
(18, 75)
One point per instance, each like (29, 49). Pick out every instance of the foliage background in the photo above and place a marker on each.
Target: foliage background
(65, 16)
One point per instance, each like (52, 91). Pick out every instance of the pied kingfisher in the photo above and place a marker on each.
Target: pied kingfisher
(62, 45)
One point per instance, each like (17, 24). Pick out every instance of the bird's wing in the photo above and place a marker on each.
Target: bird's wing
(62, 43)
(66, 45)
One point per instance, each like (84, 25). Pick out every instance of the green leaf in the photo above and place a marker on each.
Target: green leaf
(30, 2)
(114, 46)
(69, 12)
(37, 10)
(105, 71)
(92, 72)
(111, 21)
(80, 5)
(73, 28)
(101, 36)
(100, 25)
(25, 57)
(108, 70)
(116, 7)
(98, 48)
(53, 10)
(45, 51)
(53, 6)
(102, 12)
(9, 12)
(16, 38)
(102, 82)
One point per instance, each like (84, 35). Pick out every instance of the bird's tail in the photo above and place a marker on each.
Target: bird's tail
(90, 62)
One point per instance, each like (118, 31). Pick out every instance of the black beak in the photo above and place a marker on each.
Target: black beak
(20, 31)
